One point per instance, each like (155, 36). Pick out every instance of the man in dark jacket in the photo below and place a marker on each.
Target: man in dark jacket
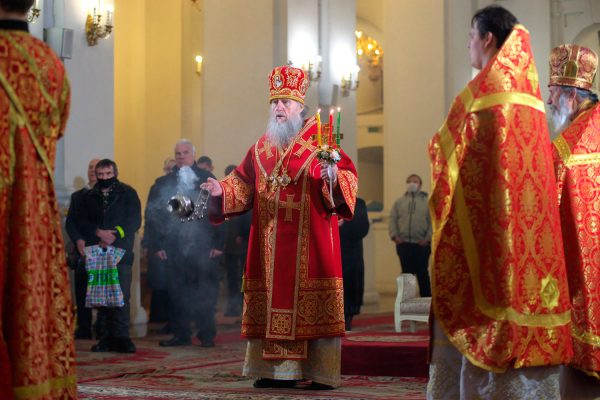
(353, 265)
(84, 314)
(110, 215)
(191, 251)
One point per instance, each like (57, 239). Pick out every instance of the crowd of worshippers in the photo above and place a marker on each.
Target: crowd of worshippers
(184, 274)
(182, 270)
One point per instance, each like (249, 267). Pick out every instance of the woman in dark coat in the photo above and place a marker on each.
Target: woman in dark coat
(353, 266)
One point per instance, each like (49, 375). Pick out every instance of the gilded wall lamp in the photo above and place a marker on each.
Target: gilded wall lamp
(198, 60)
(94, 29)
(349, 81)
(34, 12)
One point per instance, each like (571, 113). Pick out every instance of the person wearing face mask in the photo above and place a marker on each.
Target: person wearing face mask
(110, 215)
(410, 229)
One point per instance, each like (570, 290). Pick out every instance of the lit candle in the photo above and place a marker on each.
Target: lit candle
(109, 15)
(339, 121)
(319, 142)
(330, 137)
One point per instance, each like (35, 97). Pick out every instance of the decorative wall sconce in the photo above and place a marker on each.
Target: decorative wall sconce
(198, 60)
(313, 69)
(349, 82)
(94, 29)
(34, 12)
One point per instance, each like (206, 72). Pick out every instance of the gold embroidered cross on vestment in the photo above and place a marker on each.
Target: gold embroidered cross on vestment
(289, 206)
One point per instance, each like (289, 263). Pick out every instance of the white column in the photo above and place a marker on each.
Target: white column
(138, 315)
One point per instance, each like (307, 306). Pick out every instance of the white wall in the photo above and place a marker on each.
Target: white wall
(90, 128)
(303, 40)
(338, 23)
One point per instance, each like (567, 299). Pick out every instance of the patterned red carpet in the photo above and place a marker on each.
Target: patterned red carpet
(192, 372)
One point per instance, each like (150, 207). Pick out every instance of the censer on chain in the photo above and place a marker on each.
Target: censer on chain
(187, 210)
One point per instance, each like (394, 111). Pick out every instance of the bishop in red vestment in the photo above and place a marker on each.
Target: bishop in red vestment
(36, 324)
(576, 151)
(293, 293)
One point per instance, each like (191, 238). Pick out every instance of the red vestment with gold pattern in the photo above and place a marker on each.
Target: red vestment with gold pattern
(498, 270)
(293, 288)
(577, 165)
(36, 336)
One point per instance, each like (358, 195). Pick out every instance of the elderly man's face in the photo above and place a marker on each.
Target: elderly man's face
(554, 93)
(284, 109)
(91, 172)
(184, 155)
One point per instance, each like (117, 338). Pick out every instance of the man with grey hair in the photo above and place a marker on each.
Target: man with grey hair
(293, 311)
(190, 251)
(576, 116)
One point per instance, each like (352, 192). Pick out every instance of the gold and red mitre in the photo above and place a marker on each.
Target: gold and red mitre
(287, 82)
(573, 65)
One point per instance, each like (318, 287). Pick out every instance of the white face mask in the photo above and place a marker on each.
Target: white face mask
(412, 187)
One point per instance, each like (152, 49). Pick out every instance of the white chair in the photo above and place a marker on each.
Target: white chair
(409, 306)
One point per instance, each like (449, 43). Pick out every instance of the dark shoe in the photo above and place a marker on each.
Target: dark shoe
(273, 383)
(318, 386)
(124, 345)
(103, 346)
(207, 343)
(82, 334)
(175, 341)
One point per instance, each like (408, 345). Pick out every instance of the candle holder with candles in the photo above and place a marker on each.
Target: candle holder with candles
(327, 150)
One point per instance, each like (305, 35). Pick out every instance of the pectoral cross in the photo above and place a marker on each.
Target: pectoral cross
(532, 76)
(266, 148)
(289, 206)
(304, 145)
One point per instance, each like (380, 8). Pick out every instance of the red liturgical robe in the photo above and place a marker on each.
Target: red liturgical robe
(499, 277)
(577, 164)
(37, 359)
(293, 287)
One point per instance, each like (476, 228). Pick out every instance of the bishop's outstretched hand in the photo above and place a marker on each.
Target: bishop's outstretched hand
(213, 187)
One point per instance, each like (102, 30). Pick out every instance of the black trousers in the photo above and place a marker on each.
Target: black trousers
(415, 259)
(84, 315)
(160, 307)
(116, 319)
(234, 267)
(193, 284)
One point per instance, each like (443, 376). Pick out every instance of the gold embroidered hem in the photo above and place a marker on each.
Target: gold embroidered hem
(323, 363)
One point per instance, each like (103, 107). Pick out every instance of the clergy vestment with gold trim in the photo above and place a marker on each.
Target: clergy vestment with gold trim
(577, 164)
(498, 272)
(37, 359)
(293, 290)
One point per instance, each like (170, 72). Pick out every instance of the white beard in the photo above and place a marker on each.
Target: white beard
(559, 116)
(282, 133)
